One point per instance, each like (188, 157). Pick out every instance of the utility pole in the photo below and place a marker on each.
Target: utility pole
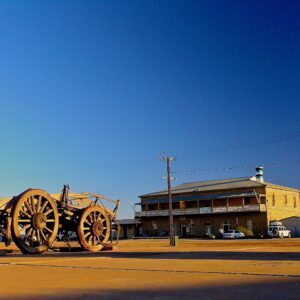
(169, 178)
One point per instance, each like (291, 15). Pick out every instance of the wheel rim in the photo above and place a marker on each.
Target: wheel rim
(35, 221)
(93, 228)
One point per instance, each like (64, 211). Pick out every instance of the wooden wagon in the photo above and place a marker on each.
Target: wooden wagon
(35, 220)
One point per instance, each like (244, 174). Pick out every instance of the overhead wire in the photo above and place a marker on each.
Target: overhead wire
(277, 164)
(129, 186)
(270, 140)
(273, 139)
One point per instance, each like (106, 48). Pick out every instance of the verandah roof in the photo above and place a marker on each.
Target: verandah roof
(199, 197)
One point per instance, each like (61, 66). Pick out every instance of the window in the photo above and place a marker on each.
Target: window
(286, 200)
(188, 204)
(249, 224)
(154, 225)
(226, 225)
(175, 205)
(273, 200)
(247, 200)
(192, 227)
(152, 207)
(208, 229)
(295, 202)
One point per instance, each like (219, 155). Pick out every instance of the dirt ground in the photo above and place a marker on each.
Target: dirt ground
(139, 269)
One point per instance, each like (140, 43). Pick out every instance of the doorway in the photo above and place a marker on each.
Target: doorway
(183, 231)
(207, 228)
(226, 226)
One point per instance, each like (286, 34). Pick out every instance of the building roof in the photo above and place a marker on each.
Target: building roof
(128, 221)
(210, 185)
(215, 185)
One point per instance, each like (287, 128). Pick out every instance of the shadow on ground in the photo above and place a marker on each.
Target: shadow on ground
(267, 290)
(208, 255)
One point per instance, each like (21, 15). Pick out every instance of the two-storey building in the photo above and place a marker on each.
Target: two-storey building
(203, 208)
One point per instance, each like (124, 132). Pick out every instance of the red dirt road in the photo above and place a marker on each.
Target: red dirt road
(247, 269)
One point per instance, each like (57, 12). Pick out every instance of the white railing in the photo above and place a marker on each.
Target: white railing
(221, 209)
(201, 210)
(205, 210)
(238, 208)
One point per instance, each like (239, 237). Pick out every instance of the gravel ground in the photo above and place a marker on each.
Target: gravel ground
(139, 269)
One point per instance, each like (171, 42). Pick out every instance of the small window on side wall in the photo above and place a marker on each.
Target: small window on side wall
(273, 200)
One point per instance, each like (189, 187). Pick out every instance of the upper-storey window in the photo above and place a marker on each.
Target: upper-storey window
(191, 204)
(152, 206)
(286, 200)
(295, 202)
(175, 205)
(247, 200)
(188, 204)
(273, 200)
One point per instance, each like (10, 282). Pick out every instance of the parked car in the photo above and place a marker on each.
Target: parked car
(233, 234)
(277, 230)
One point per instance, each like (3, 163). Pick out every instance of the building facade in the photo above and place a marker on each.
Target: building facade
(204, 208)
(129, 228)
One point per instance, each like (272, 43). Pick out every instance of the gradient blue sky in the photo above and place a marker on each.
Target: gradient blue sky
(92, 92)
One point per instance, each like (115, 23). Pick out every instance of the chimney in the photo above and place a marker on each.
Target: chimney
(259, 174)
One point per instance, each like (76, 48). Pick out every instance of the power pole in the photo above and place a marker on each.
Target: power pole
(169, 178)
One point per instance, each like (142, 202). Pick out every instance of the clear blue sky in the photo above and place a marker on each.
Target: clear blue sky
(91, 92)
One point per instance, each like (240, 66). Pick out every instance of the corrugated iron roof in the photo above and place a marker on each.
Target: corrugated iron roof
(128, 221)
(211, 185)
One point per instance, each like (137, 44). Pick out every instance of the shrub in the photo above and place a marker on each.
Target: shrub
(248, 232)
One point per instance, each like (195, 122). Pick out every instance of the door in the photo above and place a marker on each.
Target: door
(249, 224)
(183, 231)
(208, 229)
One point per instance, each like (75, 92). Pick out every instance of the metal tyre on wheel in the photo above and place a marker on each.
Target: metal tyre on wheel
(35, 221)
(94, 228)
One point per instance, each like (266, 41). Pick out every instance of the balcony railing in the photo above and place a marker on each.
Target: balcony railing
(202, 210)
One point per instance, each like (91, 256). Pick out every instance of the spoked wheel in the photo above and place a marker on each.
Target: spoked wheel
(34, 221)
(93, 228)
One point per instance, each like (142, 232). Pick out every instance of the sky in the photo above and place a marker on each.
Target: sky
(93, 92)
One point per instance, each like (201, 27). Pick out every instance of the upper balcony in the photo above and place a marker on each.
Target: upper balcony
(234, 202)
(202, 210)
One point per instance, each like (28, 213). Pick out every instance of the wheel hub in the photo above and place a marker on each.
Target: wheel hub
(39, 221)
(97, 228)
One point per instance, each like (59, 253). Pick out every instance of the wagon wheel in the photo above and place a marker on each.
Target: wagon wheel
(34, 221)
(93, 228)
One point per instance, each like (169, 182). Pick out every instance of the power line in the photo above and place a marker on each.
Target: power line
(286, 163)
(130, 185)
(265, 141)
